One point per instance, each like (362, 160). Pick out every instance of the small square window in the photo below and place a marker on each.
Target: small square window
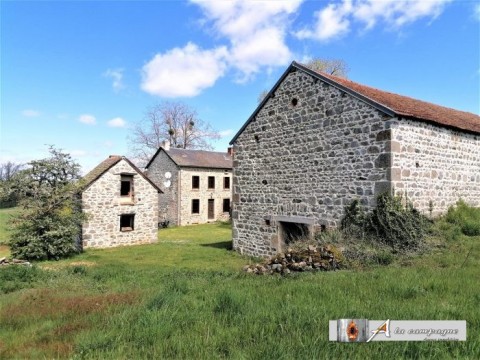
(211, 182)
(127, 222)
(195, 206)
(126, 186)
(195, 182)
(226, 182)
(226, 205)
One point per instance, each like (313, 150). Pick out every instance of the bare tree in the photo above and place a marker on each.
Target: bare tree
(336, 67)
(172, 121)
(8, 170)
(263, 94)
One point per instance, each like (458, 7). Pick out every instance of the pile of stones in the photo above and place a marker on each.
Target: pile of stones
(5, 262)
(305, 258)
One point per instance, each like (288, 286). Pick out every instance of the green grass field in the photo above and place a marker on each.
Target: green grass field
(186, 297)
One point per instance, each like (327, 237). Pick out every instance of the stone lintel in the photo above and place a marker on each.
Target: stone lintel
(294, 219)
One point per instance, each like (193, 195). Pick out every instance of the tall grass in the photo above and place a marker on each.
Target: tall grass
(186, 297)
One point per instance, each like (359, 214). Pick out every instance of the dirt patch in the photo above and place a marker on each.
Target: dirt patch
(82, 263)
(43, 304)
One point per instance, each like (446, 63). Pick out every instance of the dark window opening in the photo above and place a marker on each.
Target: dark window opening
(292, 232)
(195, 206)
(127, 222)
(195, 182)
(211, 182)
(257, 138)
(294, 102)
(226, 205)
(226, 182)
(126, 185)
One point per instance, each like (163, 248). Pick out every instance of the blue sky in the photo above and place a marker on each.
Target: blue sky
(79, 74)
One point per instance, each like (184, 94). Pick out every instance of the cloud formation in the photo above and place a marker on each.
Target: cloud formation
(183, 72)
(117, 122)
(87, 119)
(117, 76)
(30, 113)
(253, 38)
(336, 19)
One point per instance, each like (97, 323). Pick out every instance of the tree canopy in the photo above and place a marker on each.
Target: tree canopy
(49, 224)
(172, 121)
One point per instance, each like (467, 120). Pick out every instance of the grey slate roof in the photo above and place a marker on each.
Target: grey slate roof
(197, 158)
(104, 166)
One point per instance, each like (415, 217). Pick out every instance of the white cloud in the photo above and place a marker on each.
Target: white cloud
(117, 76)
(225, 133)
(335, 20)
(30, 113)
(117, 122)
(256, 31)
(183, 71)
(87, 119)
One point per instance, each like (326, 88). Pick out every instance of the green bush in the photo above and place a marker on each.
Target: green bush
(392, 223)
(466, 217)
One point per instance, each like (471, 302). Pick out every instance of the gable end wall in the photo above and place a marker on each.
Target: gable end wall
(102, 203)
(168, 209)
(307, 160)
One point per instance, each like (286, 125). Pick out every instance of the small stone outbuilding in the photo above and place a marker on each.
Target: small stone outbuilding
(121, 204)
(317, 142)
(196, 184)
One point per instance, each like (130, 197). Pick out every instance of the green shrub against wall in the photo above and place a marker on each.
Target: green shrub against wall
(465, 217)
(392, 222)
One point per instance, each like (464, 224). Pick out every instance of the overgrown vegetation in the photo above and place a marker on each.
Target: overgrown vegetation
(393, 223)
(186, 297)
(464, 217)
(50, 218)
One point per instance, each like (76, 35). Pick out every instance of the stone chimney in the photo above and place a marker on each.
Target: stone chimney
(166, 145)
(230, 150)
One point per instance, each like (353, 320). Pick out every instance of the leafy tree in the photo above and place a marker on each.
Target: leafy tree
(172, 121)
(9, 173)
(336, 67)
(50, 221)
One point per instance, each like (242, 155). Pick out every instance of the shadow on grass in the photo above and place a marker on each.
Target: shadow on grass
(227, 245)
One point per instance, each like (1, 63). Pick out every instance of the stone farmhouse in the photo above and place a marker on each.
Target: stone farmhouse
(317, 142)
(121, 204)
(196, 184)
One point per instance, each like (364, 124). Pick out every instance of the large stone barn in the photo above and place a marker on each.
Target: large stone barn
(121, 204)
(317, 142)
(196, 184)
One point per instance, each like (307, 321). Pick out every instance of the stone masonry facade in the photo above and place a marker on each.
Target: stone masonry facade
(312, 148)
(104, 206)
(175, 204)
(165, 174)
(215, 195)
(434, 166)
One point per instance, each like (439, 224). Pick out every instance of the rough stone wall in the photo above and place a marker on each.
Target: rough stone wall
(203, 194)
(168, 209)
(305, 162)
(103, 205)
(435, 164)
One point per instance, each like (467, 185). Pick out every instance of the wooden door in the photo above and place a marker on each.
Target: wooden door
(211, 209)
